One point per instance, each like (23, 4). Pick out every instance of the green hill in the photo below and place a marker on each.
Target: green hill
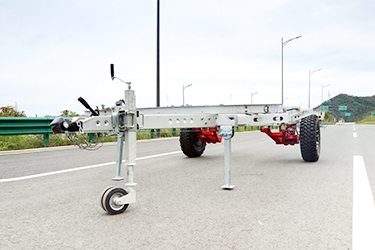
(359, 107)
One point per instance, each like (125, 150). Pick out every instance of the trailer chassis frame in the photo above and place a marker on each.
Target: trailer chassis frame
(126, 120)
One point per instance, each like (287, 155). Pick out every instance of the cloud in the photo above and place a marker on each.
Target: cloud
(53, 52)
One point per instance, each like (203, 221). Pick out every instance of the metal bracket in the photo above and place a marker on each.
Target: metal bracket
(126, 199)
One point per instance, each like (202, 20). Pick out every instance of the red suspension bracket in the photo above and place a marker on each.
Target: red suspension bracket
(209, 135)
(286, 137)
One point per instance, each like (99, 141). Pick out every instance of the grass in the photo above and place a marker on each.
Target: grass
(17, 142)
(367, 120)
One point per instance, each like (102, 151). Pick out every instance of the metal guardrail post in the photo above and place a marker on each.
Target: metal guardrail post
(91, 137)
(46, 140)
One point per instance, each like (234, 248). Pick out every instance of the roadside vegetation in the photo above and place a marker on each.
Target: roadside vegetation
(17, 142)
(329, 118)
(368, 120)
(359, 107)
(10, 111)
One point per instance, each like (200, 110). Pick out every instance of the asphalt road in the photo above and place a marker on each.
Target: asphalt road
(279, 201)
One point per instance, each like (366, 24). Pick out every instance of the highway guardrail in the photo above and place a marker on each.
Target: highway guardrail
(27, 125)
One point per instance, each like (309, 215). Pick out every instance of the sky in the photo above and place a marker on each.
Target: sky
(53, 52)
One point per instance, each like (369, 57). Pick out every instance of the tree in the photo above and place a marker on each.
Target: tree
(9, 111)
(68, 113)
(329, 118)
(103, 107)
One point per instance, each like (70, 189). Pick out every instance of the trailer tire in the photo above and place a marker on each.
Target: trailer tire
(108, 200)
(102, 198)
(190, 145)
(310, 138)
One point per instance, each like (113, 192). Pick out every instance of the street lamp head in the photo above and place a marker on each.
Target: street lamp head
(314, 71)
(284, 43)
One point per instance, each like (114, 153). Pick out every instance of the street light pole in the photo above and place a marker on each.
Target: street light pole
(310, 72)
(158, 59)
(183, 93)
(157, 54)
(323, 86)
(282, 66)
(253, 93)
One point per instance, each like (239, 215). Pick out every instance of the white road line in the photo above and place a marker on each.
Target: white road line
(355, 134)
(353, 128)
(363, 208)
(80, 168)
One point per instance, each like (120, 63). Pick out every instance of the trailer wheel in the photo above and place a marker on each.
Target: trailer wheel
(191, 146)
(102, 198)
(310, 138)
(109, 197)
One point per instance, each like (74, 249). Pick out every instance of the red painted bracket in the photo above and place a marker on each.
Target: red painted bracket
(209, 135)
(286, 137)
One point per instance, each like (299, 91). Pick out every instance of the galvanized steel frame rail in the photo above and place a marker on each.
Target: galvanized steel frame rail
(127, 119)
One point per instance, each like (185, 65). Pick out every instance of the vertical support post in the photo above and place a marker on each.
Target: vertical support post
(130, 140)
(227, 133)
(228, 150)
(120, 146)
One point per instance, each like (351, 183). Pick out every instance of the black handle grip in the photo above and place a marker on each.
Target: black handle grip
(84, 103)
(112, 71)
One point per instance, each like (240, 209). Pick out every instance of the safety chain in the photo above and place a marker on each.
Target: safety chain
(80, 139)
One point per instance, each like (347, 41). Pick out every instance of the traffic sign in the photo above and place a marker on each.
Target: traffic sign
(347, 114)
(323, 107)
(372, 114)
(343, 107)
